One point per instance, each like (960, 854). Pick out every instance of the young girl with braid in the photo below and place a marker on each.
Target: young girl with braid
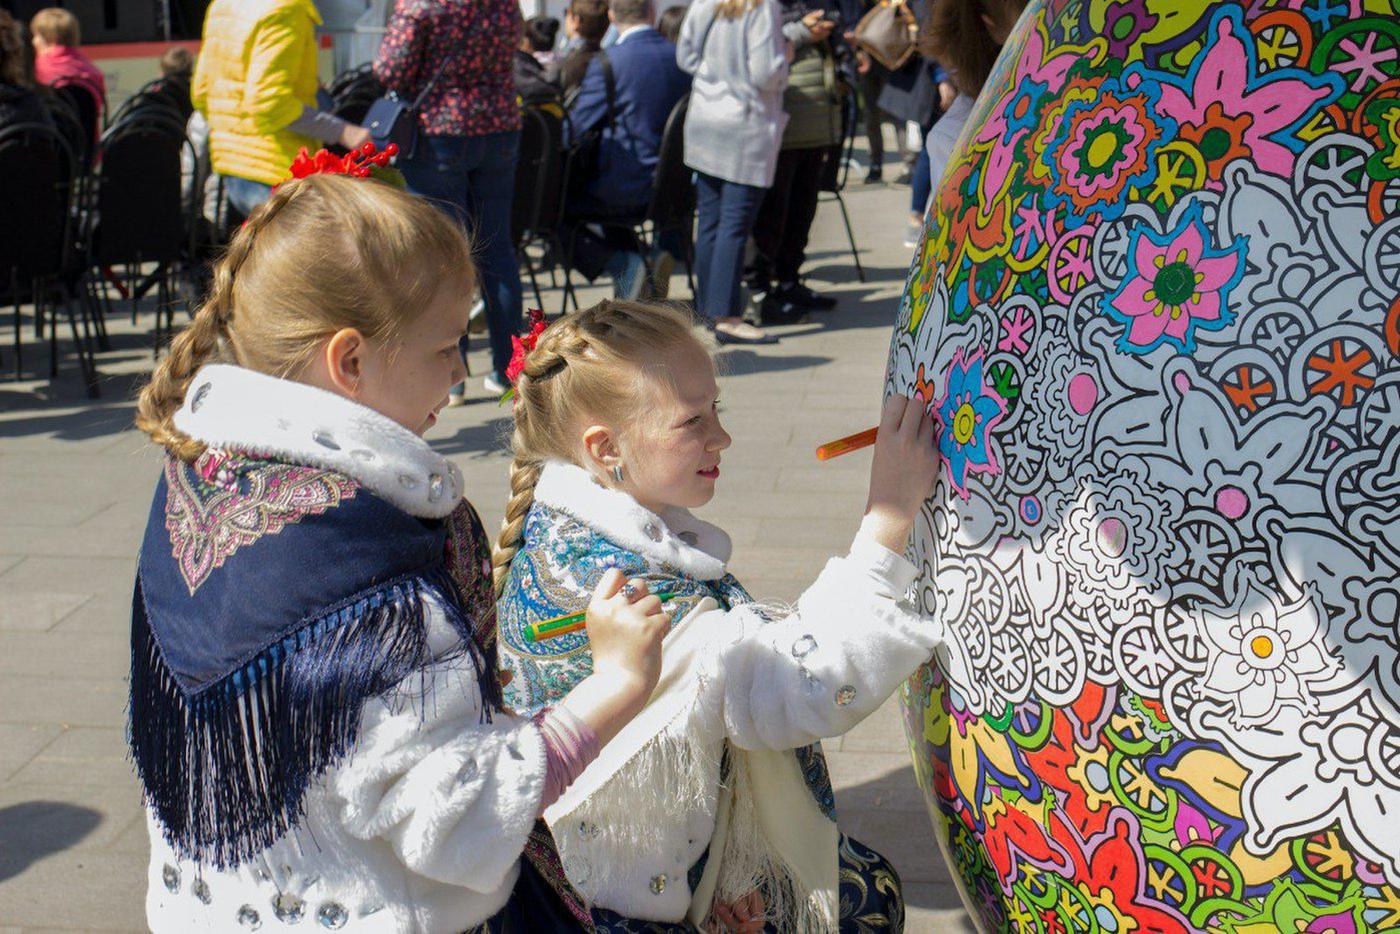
(713, 806)
(314, 709)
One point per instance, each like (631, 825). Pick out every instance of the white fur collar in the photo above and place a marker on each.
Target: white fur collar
(675, 537)
(236, 408)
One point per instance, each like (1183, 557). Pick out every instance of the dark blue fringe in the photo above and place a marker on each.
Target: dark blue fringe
(226, 769)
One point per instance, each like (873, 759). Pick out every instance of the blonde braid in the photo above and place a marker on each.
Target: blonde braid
(198, 343)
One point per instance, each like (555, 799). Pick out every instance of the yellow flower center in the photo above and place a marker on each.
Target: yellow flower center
(1262, 646)
(964, 422)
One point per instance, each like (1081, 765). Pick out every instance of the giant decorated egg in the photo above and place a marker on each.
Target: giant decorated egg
(1156, 310)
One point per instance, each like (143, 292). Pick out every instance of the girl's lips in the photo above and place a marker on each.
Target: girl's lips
(712, 473)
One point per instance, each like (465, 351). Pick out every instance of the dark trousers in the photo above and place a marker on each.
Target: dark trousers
(784, 221)
(725, 213)
(871, 84)
(472, 178)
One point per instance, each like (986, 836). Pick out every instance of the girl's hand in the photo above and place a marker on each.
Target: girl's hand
(625, 627)
(904, 470)
(625, 632)
(745, 916)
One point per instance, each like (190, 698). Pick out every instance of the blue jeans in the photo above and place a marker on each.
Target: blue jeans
(244, 195)
(473, 179)
(725, 215)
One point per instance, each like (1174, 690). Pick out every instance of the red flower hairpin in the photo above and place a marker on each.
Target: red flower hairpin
(521, 346)
(366, 162)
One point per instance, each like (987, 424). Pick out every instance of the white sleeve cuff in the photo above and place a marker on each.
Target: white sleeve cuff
(889, 567)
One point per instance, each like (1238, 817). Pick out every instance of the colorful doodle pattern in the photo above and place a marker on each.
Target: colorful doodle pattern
(1160, 287)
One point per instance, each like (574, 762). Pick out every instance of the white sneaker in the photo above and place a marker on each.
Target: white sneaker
(457, 396)
(493, 385)
(912, 233)
(476, 318)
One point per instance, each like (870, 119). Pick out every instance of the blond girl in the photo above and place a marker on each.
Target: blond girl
(313, 710)
(713, 805)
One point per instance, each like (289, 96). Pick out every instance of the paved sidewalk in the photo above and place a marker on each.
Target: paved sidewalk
(75, 487)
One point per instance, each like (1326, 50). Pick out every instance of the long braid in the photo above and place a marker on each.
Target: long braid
(525, 467)
(199, 342)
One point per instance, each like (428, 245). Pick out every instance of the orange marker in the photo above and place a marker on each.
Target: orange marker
(846, 445)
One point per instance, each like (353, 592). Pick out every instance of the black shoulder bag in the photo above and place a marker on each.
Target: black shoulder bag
(391, 120)
(584, 159)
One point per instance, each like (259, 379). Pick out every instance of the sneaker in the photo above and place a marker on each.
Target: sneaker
(912, 232)
(742, 334)
(904, 176)
(495, 384)
(662, 267)
(457, 396)
(801, 296)
(629, 272)
(476, 318)
(770, 308)
(875, 176)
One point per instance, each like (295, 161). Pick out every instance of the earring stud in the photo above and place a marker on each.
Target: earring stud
(617, 472)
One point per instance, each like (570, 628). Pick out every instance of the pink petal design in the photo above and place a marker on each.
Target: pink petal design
(1207, 309)
(1177, 327)
(1217, 271)
(1145, 253)
(1132, 301)
(1191, 241)
(1147, 329)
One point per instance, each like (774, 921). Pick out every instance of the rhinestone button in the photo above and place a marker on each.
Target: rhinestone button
(249, 918)
(587, 830)
(653, 531)
(200, 395)
(845, 694)
(200, 890)
(436, 485)
(803, 647)
(324, 439)
(658, 883)
(690, 538)
(332, 915)
(171, 877)
(408, 481)
(288, 908)
(467, 772)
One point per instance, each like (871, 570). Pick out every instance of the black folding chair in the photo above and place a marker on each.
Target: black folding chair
(38, 172)
(838, 165)
(170, 98)
(85, 105)
(138, 214)
(672, 203)
(539, 193)
(353, 92)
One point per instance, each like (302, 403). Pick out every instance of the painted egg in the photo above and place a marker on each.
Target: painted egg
(1156, 311)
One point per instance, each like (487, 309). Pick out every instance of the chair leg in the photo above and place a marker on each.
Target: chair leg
(850, 235)
(94, 311)
(567, 262)
(19, 324)
(39, 300)
(132, 272)
(87, 364)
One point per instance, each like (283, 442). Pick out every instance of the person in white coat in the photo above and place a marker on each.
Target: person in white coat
(315, 717)
(739, 56)
(714, 803)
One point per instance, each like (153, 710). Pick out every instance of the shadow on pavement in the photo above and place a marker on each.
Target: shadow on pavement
(31, 830)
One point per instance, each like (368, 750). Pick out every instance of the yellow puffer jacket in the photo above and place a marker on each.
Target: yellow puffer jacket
(256, 71)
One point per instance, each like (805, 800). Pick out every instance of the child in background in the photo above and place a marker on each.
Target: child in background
(314, 711)
(713, 805)
(57, 59)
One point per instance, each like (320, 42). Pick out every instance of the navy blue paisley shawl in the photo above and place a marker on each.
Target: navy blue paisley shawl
(272, 601)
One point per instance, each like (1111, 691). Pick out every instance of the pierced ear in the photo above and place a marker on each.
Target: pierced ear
(345, 362)
(600, 448)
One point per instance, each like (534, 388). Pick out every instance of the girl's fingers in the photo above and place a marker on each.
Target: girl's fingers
(893, 412)
(648, 605)
(609, 585)
(913, 411)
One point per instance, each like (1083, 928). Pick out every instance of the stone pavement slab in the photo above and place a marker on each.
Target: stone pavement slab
(75, 487)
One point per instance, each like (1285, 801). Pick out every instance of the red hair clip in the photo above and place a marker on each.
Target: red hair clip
(365, 162)
(521, 346)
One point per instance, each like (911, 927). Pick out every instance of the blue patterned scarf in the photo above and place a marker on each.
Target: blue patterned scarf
(272, 601)
(555, 571)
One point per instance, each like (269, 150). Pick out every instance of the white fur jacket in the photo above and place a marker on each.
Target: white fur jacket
(420, 826)
(759, 681)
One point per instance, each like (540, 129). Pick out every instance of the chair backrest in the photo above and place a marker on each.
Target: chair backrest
(39, 169)
(539, 173)
(354, 78)
(673, 186)
(160, 93)
(139, 211)
(84, 104)
(69, 124)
